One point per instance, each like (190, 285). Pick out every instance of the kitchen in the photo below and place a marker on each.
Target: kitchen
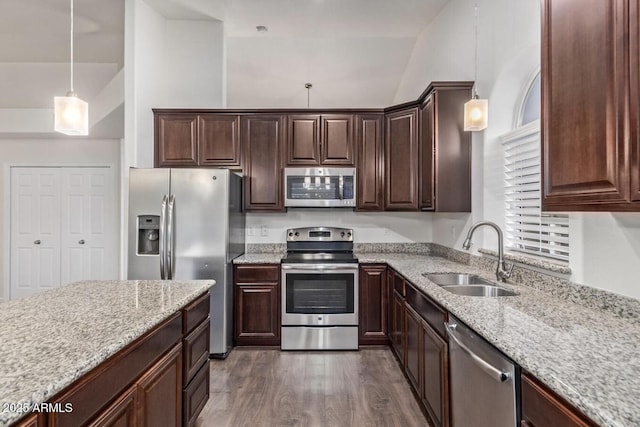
(604, 246)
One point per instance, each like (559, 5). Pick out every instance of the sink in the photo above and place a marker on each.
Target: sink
(479, 290)
(456, 279)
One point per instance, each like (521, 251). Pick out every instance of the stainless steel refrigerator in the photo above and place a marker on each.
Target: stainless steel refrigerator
(189, 224)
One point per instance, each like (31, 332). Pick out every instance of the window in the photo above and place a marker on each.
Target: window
(528, 230)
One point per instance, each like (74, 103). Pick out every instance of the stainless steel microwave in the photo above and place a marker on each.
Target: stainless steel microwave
(306, 187)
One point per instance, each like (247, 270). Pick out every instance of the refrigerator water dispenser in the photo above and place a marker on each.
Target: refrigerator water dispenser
(148, 234)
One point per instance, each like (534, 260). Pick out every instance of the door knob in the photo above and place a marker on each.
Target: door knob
(36, 242)
(81, 241)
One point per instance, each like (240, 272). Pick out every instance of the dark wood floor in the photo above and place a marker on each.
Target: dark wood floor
(258, 387)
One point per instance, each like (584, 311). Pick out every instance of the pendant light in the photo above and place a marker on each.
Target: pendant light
(476, 111)
(71, 113)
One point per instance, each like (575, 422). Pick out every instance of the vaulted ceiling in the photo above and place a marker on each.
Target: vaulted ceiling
(344, 47)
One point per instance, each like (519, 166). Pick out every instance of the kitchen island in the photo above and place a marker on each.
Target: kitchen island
(73, 346)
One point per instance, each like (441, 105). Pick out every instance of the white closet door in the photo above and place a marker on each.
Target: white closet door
(35, 230)
(88, 228)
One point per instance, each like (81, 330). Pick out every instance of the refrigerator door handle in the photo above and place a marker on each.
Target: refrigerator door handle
(161, 237)
(170, 222)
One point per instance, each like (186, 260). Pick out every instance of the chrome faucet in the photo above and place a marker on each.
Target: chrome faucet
(502, 271)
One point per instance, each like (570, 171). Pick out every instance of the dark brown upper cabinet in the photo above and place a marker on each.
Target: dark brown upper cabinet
(262, 139)
(590, 105)
(176, 140)
(445, 150)
(219, 140)
(370, 165)
(197, 139)
(314, 140)
(401, 160)
(336, 140)
(303, 140)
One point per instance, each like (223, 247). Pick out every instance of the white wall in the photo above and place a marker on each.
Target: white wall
(48, 152)
(193, 64)
(383, 227)
(605, 247)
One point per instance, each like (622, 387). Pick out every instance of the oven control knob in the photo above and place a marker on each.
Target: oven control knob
(348, 234)
(290, 233)
(342, 234)
(296, 234)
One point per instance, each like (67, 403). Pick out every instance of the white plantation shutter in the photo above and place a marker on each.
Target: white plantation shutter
(528, 230)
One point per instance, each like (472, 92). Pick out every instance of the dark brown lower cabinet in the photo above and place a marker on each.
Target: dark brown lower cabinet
(417, 323)
(435, 375)
(34, 420)
(413, 347)
(257, 304)
(372, 305)
(160, 392)
(195, 396)
(543, 408)
(397, 331)
(121, 413)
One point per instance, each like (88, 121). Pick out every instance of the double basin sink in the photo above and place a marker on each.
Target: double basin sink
(468, 285)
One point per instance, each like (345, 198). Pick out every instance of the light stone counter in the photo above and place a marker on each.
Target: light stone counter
(51, 339)
(589, 356)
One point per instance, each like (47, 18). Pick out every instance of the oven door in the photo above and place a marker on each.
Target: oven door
(320, 294)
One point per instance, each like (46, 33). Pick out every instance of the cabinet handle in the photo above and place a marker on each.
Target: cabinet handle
(526, 423)
(36, 242)
(81, 241)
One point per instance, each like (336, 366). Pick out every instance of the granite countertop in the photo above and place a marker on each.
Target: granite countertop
(51, 339)
(260, 258)
(588, 356)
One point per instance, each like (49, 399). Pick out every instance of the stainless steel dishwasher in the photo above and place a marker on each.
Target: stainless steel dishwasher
(483, 381)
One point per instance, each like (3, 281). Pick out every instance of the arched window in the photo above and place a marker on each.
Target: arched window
(528, 230)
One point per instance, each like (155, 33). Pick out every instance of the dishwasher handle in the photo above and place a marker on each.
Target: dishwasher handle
(493, 372)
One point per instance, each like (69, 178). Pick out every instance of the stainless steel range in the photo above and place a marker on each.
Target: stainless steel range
(320, 290)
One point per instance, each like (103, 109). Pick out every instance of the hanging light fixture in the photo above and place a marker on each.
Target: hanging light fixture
(308, 87)
(71, 113)
(476, 111)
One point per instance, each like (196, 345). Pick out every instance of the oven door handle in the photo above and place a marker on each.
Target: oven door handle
(319, 267)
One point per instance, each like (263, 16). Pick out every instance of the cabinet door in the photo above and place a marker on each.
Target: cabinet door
(373, 305)
(435, 376)
(303, 140)
(33, 420)
(257, 314)
(541, 408)
(397, 334)
(634, 98)
(121, 413)
(159, 392)
(583, 94)
(413, 347)
(336, 147)
(401, 160)
(262, 142)
(175, 140)
(451, 150)
(370, 166)
(219, 140)
(426, 150)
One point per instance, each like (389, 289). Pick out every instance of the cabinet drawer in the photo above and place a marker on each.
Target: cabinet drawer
(195, 347)
(195, 313)
(195, 396)
(432, 313)
(259, 273)
(541, 408)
